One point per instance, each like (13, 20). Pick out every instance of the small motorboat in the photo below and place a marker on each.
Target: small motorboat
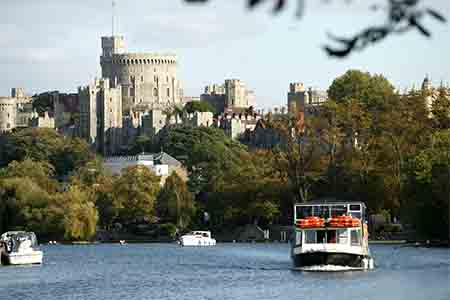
(20, 248)
(197, 238)
(122, 242)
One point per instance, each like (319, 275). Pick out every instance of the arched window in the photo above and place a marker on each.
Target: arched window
(155, 92)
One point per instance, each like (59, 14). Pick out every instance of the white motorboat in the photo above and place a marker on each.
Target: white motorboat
(197, 238)
(20, 248)
(331, 236)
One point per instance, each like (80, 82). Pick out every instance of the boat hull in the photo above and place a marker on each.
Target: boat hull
(34, 257)
(311, 259)
(196, 242)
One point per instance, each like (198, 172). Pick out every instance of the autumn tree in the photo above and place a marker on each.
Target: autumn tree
(175, 203)
(135, 192)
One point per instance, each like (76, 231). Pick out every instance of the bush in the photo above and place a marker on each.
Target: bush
(167, 229)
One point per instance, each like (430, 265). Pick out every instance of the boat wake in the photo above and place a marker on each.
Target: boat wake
(328, 268)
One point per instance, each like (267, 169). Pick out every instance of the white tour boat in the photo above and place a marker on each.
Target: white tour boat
(20, 248)
(331, 236)
(197, 238)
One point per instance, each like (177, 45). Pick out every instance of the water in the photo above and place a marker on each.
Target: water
(227, 271)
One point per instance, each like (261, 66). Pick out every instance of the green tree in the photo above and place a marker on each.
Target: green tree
(135, 192)
(429, 188)
(360, 86)
(43, 144)
(175, 203)
(440, 109)
(79, 219)
(200, 106)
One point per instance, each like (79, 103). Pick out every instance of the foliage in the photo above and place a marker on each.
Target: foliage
(135, 192)
(42, 103)
(359, 86)
(440, 109)
(43, 144)
(167, 229)
(175, 203)
(200, 106)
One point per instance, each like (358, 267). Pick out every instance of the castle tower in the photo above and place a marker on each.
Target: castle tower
(101, 115)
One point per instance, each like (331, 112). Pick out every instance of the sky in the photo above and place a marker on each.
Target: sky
(55, 44)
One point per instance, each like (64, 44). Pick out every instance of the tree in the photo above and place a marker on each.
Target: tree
(75, 212)
(299, 156)
(44, 144)
(200, 106)
(429, 188)
(360, 86)
(40, 172)
(135, 191)
(440, 109)
(175, 203)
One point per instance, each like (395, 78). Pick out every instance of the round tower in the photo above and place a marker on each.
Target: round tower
(147, 79)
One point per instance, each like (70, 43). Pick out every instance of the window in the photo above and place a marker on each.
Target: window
(331, 237)
(338, 210)
(168, 92)
(342, 236)
(155, 92)
(304, 211)
(322, 211)
(310, 237)
(355, 237)
(321, 236)
(298, 238)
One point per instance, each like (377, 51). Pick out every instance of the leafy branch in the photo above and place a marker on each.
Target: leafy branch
(402, 16)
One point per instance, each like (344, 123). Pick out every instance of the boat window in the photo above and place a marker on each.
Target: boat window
(298, 238)
(331, 236)
(310, 237)
(303, 212)
(342, 236)
(356, 207)
(355, 237)
(355, 214)
(321, 236)
(322, 211)
(338, 210)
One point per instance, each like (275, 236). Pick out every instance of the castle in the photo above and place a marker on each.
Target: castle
(147, 80)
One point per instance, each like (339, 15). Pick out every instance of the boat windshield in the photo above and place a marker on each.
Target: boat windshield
(334, 236)
(15, 239)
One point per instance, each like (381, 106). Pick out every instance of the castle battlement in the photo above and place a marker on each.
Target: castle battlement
(144, 58)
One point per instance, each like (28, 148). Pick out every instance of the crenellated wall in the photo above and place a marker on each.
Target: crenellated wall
(147, 79)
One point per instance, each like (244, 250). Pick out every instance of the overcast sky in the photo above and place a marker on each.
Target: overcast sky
(55, 44)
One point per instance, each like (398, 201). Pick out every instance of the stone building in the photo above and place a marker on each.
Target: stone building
(42, 121)
(235, 125)
(233, 95)
(8, 112)
(162, 164)
(301, 99)
(66, 110)
(153, 122)
(148, 79)
(101, 115)
(15, 110)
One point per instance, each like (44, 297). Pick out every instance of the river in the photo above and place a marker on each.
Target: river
(227, 271)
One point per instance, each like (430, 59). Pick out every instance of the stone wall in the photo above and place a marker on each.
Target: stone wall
(146, 78)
